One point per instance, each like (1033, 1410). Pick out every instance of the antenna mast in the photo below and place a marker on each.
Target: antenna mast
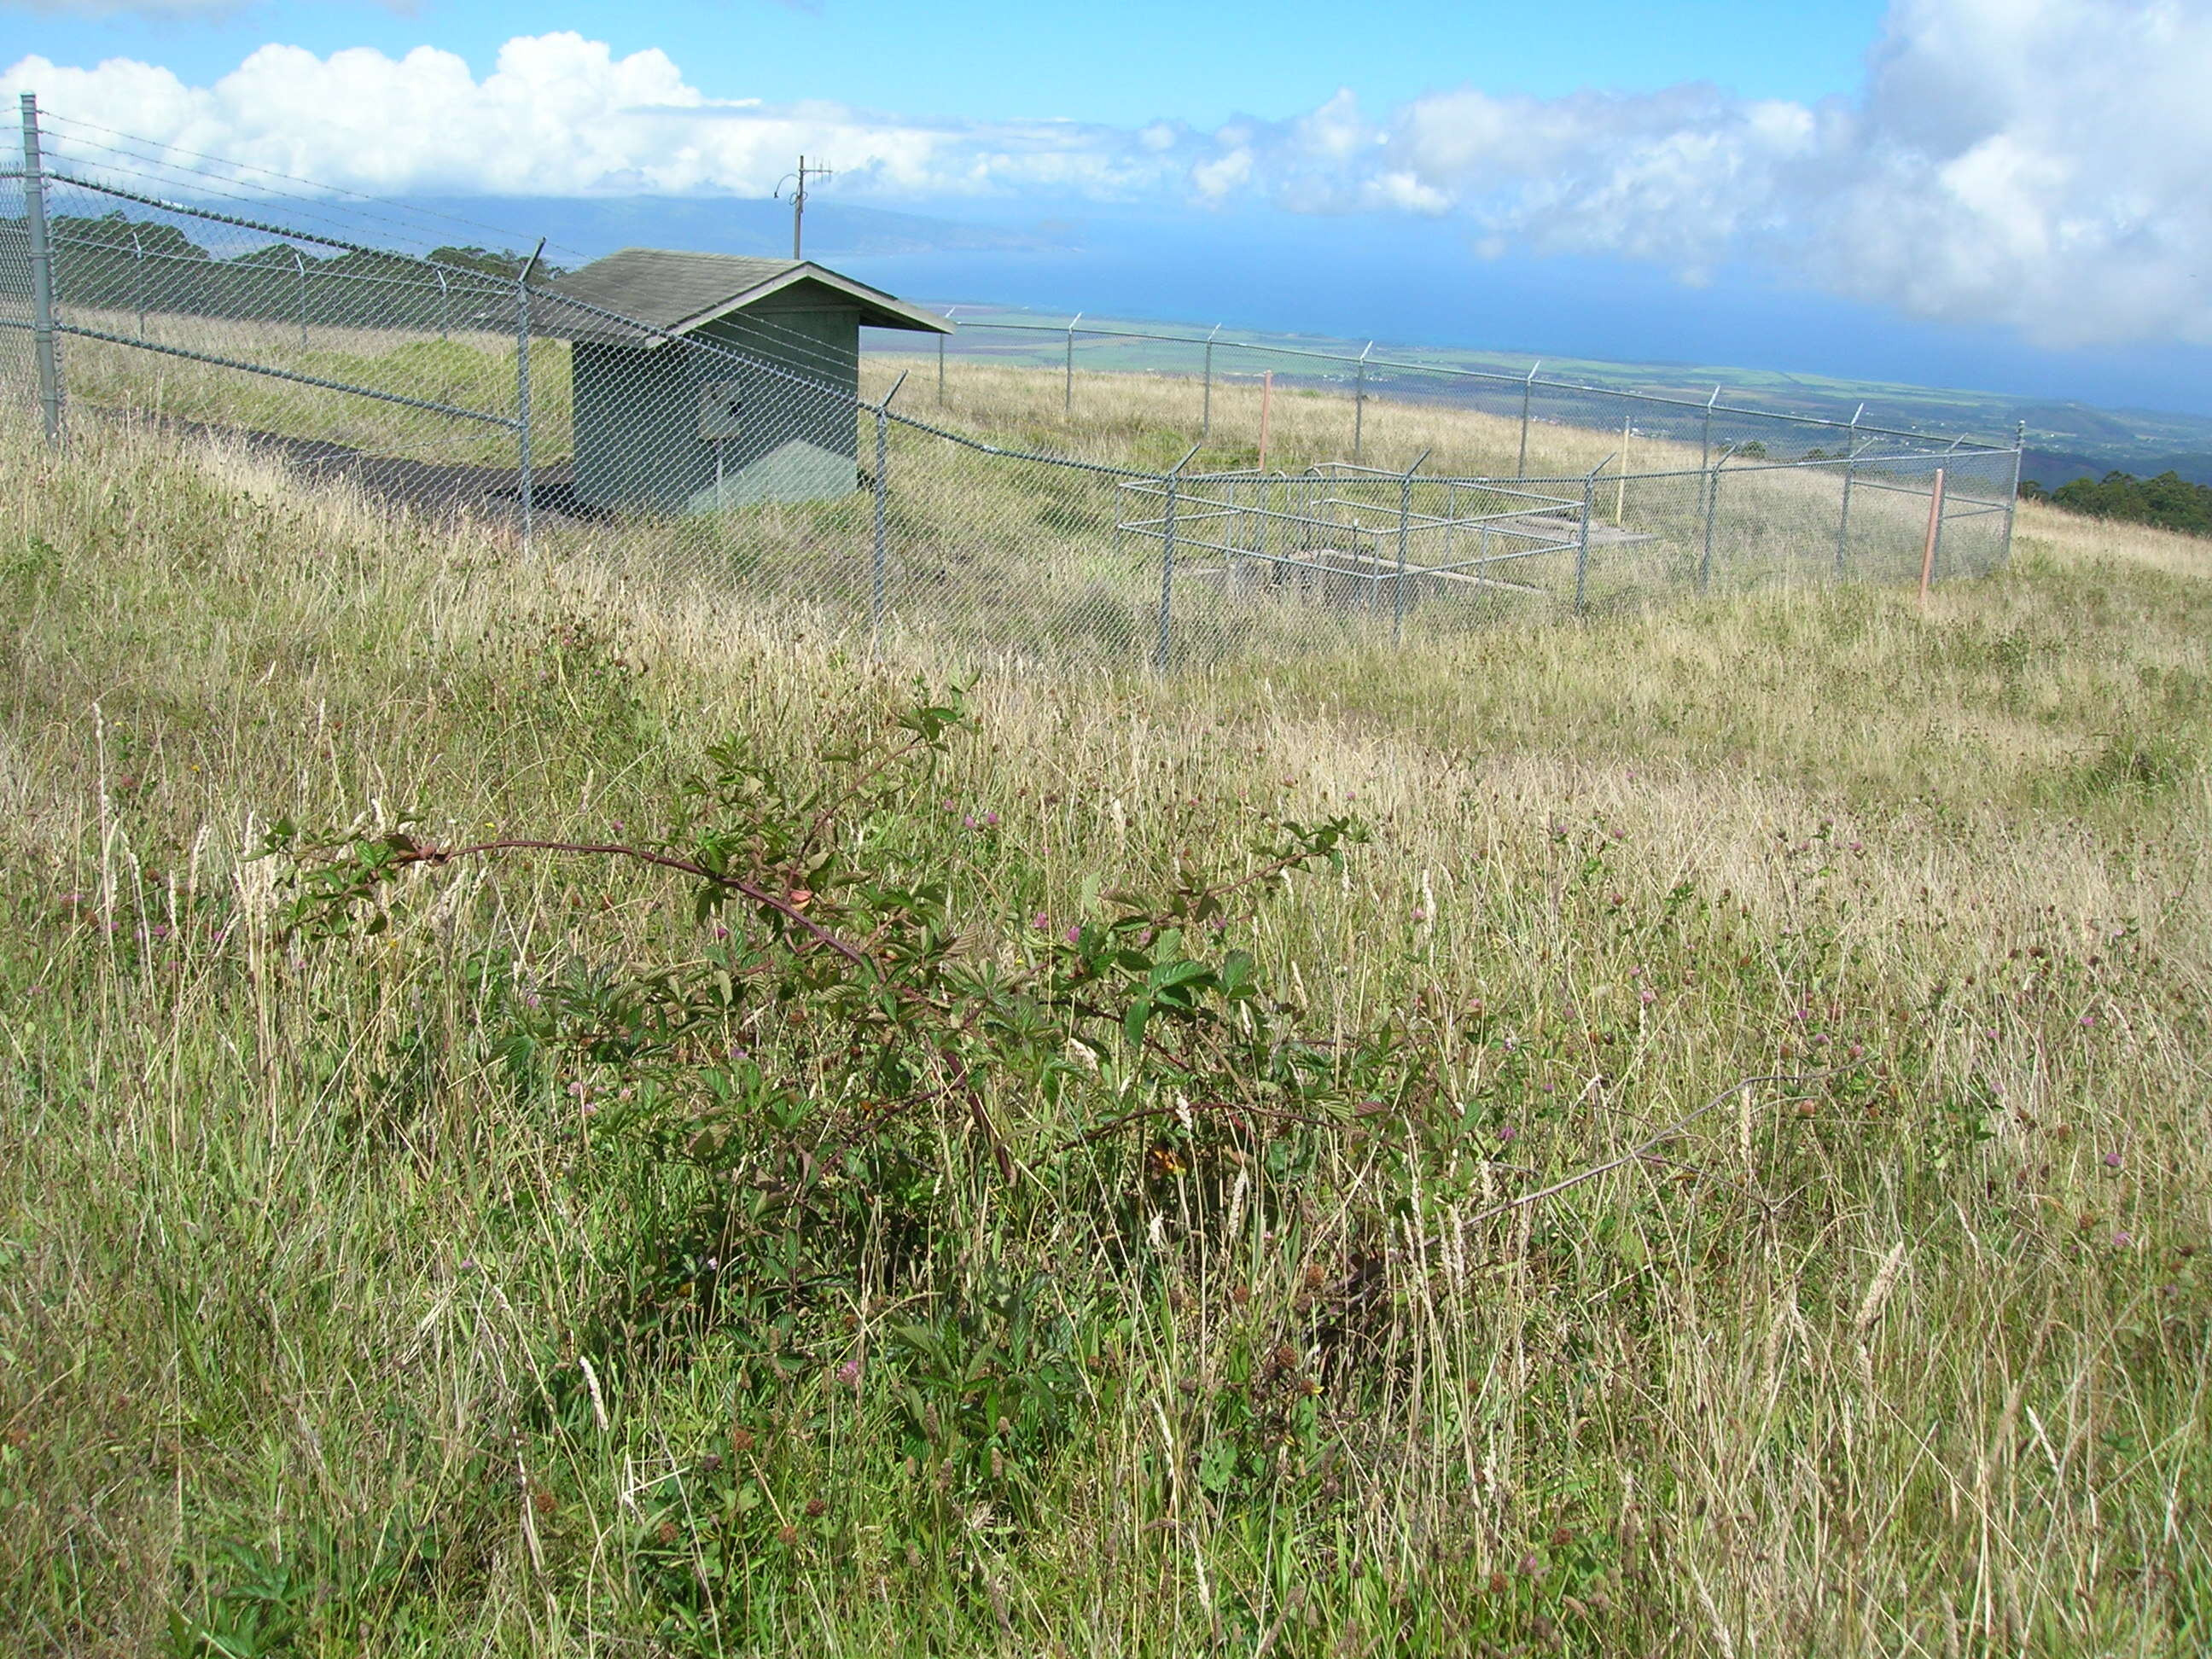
(799, 199)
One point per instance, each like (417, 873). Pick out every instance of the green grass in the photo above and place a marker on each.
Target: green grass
(299, 1267)
(472, 372)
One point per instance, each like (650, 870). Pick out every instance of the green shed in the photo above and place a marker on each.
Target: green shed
(662, 427)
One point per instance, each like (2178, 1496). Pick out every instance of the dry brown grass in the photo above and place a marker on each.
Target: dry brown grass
(1924, 1371)
(2079, 539)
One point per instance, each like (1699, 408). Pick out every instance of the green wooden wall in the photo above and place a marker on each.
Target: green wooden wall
(676, 429)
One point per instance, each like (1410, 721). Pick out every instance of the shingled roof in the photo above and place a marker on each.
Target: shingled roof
(680, 292)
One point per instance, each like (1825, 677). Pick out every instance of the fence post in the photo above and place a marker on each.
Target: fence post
(1067, 385)
(1712, 511)
(1582, 535)
(445, 305)
(1850, 468)
(1160, 652)
(524, 482)
(883, 484)
(1941, 519)
(138, 253)
(1206, 412)
(1934, 536)
(1266, 397)
(882, 488)
(1620, 484)
(948, 310)
(1359, 402)
(1705, 441)
(1167, 578)
(2012, 501)
(42, 274)
(1275, 530)
(299, 275)
(1521, 468)
(1404, 523)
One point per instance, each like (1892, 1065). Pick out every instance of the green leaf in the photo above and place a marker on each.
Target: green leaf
(1217, 1465)
(1168, 974)
(1133, 1022)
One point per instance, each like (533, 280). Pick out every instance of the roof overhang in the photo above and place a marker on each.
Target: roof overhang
(604, 323)
(878, 309)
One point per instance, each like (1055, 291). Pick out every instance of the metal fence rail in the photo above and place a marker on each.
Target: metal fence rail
(1406, 502)
(1530, 399)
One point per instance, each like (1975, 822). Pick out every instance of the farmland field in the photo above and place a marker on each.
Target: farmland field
(1686, 1131)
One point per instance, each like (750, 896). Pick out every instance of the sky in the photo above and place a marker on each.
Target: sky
(2011, 190)
(1138, 62)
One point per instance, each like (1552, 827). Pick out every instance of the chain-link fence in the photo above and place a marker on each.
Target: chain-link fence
(702, 418)
(1374, 395)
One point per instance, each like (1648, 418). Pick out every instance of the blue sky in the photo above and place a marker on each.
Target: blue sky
(2006, 192)
(1134, 62)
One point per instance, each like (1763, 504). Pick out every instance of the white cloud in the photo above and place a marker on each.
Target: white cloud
(559, 114)
(1336, 130)
(1404, 192)
(1218, 178)
(2036, 163)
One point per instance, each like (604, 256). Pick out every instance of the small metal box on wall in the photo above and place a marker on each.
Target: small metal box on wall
(721, 410)
(664, 424)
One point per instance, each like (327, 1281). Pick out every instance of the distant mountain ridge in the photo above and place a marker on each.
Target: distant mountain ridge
(933, 258)
(2051, 468)
(590, 226)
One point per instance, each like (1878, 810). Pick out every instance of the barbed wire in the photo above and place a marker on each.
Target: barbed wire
(791, 340)
(749, 459)
(164, 150)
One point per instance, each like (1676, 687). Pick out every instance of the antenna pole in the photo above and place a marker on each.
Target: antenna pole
(798, 203)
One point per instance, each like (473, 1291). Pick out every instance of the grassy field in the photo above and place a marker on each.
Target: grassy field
(2143, 441)
(1143, 420)
(990, 551)
(1766, 1213)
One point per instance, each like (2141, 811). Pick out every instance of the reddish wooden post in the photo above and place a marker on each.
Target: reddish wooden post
(1928, 549)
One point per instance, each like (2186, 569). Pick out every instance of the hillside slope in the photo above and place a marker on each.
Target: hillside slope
(360, 1292)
